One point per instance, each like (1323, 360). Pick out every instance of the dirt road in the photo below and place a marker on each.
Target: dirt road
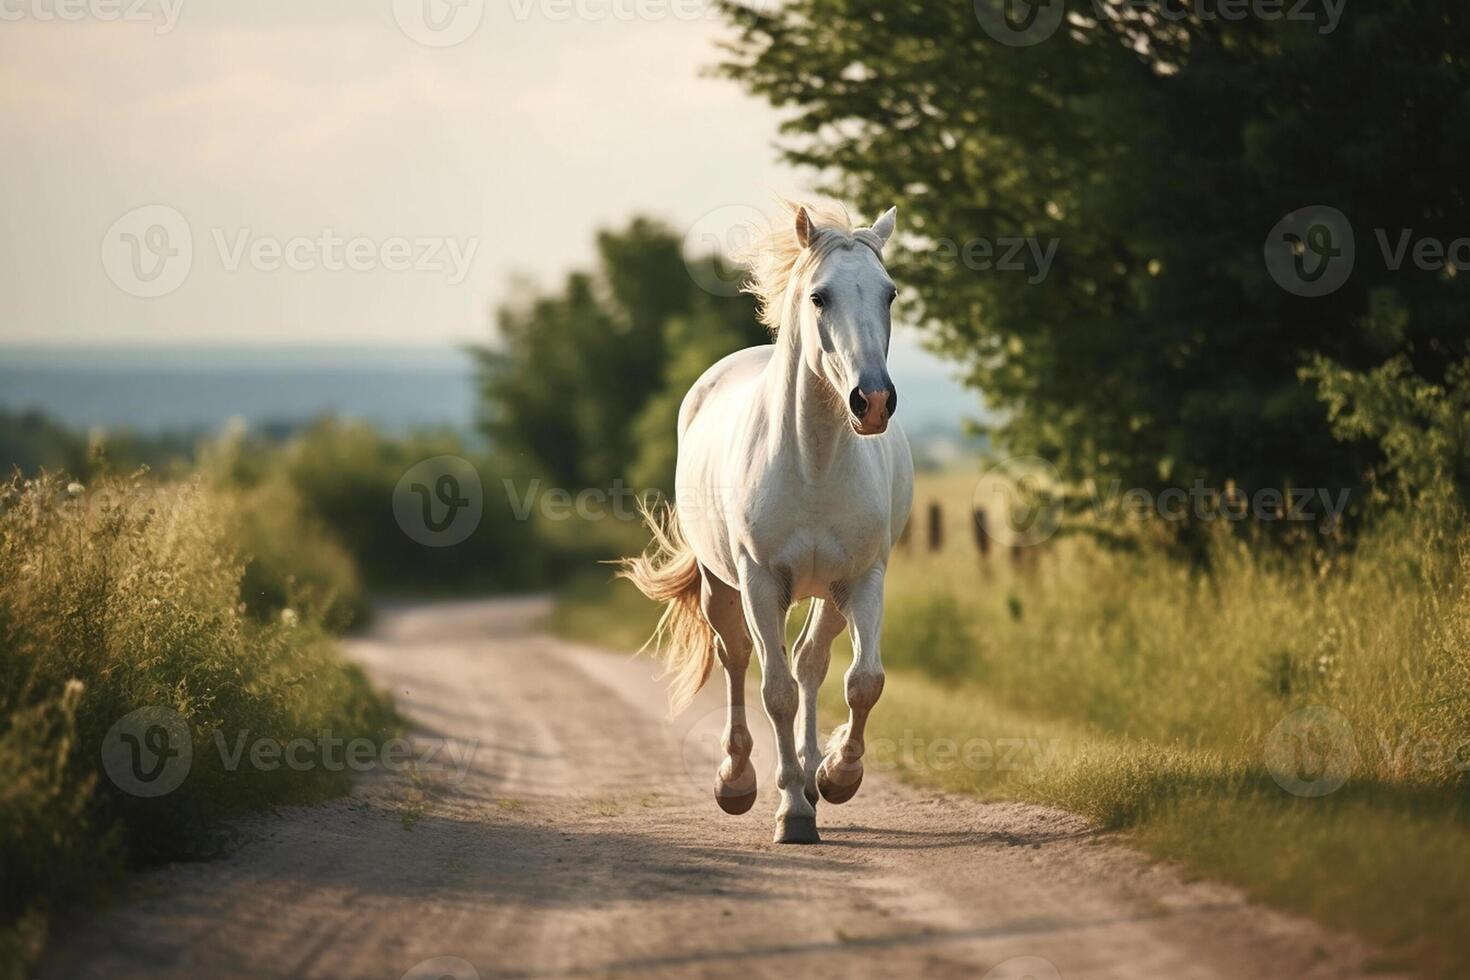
(582, 840)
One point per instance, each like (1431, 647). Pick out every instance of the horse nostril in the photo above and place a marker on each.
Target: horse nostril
(892, 401)
(857, 402)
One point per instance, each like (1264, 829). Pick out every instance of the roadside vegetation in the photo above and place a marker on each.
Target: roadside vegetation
(213, 605)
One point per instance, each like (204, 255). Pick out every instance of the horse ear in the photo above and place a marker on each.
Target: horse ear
(803, 227)
(884, 226)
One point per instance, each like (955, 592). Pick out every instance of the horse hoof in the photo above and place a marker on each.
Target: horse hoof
(833, 791)
(797, 828)
(734, 803)
(735, 795)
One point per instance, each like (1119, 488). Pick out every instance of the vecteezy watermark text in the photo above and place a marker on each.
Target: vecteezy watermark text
(150, 752)
(150, 251)
(1313, 251)
(165, 13)
(1025, 499)
(1313, 751)
(1031, 256)
(1206, 504)
(1022, 23)
(716, 242)
(332, 252)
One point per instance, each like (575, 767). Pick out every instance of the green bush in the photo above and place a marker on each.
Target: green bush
(293, 560)
(344, 475)
(120, 597)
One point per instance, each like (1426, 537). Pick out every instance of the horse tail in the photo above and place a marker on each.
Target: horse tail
(668, 572)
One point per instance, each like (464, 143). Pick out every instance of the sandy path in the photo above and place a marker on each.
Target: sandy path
(582, 841)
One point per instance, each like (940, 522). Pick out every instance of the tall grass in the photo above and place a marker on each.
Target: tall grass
(120, 596)
(1157, 687)
(1139, 645)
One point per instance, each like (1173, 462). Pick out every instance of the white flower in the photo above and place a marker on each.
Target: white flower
(289, 617)
(75, 489)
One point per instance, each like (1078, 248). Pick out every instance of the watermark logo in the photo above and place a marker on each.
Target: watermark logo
(439, 502)
(1020, 496)
(442, 968)
(149, 251)
(1311, 251)
(714, 242)
(1020, 23)
(439, 23)
(148, 752)
(1310, 752)
(702, 748)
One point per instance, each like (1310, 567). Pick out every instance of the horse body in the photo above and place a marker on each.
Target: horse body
(788, 489)
(743, 487)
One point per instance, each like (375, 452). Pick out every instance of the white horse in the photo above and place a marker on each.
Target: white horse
(792, 482)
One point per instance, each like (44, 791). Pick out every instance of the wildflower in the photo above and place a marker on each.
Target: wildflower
(289, 617)
(75, 489)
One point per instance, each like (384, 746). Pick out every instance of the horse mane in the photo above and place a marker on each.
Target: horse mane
(772, 257)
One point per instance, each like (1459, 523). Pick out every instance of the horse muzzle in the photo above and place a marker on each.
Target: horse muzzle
(872, 409)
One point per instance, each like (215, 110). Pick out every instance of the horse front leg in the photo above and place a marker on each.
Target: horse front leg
(812, 655)
(841, 772)
(766, 598)
(735, 783)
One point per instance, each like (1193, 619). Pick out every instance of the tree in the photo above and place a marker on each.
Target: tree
(1158, 147)
(573, 371)
(694, 343)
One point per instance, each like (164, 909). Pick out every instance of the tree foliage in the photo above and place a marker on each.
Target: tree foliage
(1159, 151)
(585, 381)
(1423, 429)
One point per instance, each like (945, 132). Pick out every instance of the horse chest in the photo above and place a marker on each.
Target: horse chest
(821, 534)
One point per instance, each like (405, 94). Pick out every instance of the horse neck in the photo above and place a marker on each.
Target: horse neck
(807, 423)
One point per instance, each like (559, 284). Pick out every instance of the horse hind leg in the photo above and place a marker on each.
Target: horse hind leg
(735, 784)
(813, 653)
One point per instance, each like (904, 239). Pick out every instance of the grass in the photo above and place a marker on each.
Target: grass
(1144, 693)
(124, 596)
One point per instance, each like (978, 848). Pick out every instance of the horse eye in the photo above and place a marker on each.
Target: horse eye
(818, 300)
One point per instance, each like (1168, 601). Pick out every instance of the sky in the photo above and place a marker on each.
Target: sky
(281, 133)
(219, 173)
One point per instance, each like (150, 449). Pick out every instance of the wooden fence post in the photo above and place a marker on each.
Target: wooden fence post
(982, 532)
